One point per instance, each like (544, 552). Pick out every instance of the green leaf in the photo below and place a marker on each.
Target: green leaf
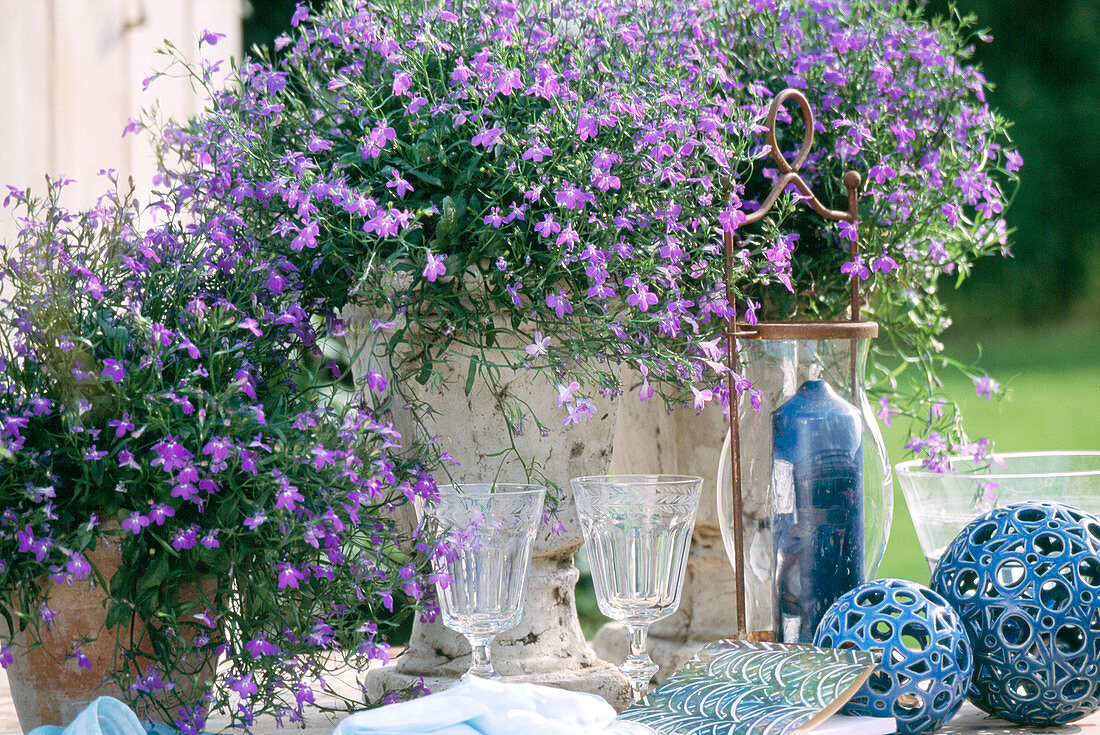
(471, 375)
(156, 575)
(396, 339)
(230, 510)
(351, 158)
(427, 178)
(448, 221)
(426, 369)
(115, 616)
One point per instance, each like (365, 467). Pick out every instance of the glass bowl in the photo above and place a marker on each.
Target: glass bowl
(942, 503)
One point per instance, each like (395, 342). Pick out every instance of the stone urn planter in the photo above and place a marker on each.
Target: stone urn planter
(547, 647)
(47, 685)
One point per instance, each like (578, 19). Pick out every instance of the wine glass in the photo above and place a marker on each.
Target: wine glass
(637, 529)
(487, 531)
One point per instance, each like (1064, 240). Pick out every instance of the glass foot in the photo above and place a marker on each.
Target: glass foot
(491, 675)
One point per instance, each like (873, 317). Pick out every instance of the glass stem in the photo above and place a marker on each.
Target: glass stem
(639, 667)
(638, 635)
(481, 666)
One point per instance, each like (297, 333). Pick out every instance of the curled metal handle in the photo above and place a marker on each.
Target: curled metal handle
(807, 135)
(852, 179)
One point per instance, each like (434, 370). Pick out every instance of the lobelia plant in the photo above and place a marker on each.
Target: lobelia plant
(529, 185)
(501, 190)
(895, 100)
(543, 184)
(150, 405)
(533, 186)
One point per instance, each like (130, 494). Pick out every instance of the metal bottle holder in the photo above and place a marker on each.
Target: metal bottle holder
(814, 439)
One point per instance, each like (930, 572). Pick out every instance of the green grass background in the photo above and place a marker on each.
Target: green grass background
(1050, 400)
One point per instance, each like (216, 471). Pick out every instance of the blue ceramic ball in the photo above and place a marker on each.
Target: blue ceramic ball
(1025, 580)
(926, 655)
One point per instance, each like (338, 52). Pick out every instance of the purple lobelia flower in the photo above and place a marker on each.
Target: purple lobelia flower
(171, 455)
(986, 387)
(434, 267)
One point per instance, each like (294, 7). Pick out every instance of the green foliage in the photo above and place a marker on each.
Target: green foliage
(149, 410)
(1043, 62)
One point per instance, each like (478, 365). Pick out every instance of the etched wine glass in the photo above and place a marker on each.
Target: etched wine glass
(486, 532)
(637, 529)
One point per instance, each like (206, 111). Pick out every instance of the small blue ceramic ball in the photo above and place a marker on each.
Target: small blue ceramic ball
(926, 655)
(1025, 580)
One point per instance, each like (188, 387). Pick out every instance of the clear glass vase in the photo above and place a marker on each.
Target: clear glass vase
(817, 493)
(942, 503)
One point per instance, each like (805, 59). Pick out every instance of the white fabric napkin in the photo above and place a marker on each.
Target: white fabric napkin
(481, 707)
(104, 716)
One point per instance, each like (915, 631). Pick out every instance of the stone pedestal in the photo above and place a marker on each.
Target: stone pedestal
(649, 439)
(492, 439)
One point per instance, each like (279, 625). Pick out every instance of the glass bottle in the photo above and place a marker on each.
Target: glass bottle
(817, 491)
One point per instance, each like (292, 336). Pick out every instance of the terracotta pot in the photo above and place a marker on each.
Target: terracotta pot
(47, 686)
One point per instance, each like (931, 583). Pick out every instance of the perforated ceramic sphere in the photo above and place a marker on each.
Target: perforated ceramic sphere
(926, 656)
(1025, 580)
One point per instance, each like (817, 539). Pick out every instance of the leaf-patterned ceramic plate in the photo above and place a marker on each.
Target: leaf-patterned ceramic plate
(753, 688)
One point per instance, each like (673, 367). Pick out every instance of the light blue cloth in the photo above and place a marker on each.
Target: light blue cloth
(104, 716)
(481, 707)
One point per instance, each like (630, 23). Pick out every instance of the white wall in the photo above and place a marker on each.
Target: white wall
(71, 75)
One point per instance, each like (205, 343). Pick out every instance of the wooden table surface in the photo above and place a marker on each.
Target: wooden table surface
(969, 721)
(972, 721)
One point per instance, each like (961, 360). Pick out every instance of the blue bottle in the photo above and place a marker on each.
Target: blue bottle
(817, 500)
